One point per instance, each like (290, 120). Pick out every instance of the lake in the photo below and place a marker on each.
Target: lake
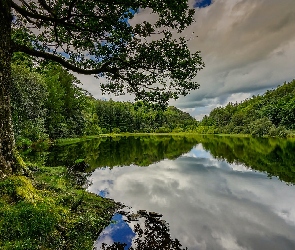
(201, 192)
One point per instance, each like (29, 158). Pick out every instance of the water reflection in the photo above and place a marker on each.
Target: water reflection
(149, 232)
(274, 156)
(113, 236)
(208, 202)
(215, 192)
(118, 151)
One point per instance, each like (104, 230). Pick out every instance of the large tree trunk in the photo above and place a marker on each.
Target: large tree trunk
(7, 162)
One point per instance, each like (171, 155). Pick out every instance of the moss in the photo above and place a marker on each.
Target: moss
(49, 211)
(20, 166)
(17, 188)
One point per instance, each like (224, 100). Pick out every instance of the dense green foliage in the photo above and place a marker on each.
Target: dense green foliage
(48, 103)
(129, 117)
(28, 103)
(150, 60)
(271, 114)
(50, 211)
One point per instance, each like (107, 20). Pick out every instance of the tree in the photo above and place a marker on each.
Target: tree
(94, 37)
(65, 103)
(28, 104)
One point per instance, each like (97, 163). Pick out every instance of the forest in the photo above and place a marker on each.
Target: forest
(270, 114)
(48, 103)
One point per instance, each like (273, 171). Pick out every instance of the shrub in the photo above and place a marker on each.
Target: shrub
(280, 131)
(162, 130)
(260, 127)
(116, 131)
(178, 130)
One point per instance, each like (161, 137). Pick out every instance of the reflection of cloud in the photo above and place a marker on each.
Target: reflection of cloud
(207, 205)
(105, 237)
(240, 167)
(118, 232)
(198, 152)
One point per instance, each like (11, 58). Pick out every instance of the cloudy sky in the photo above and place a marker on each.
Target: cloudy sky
(248, 46)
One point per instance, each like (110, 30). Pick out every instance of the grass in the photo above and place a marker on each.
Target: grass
(50, 211)
(67, 141)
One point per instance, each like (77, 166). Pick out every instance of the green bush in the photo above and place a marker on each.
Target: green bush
(201, 129)
(50, 212)
(22, 142)
(261, 127)
(178, 130)
(280, 131)
(104, 131)
(163, 130)
(116, 131)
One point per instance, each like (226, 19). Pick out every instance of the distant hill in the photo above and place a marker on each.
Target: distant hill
(272, 113)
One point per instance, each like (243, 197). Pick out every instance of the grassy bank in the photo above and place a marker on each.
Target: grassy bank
(68, 141)
(50, 210)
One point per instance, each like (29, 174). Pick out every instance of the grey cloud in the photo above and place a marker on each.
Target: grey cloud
(92, 84)
(248, 46)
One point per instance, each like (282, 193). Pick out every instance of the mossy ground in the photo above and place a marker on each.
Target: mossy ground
(49, 210)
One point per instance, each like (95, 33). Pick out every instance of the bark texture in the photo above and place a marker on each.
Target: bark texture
(6, 132)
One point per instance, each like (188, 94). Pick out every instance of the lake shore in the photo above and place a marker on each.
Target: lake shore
(85, 138)
(49, 209)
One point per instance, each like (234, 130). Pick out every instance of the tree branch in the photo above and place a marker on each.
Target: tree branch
(71, 6)
(28, 6)
(25, 13)
(46, 7)
(104, 68)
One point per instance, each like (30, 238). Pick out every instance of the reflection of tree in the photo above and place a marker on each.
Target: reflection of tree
(142, 151)
(153, 235)
(274, 156)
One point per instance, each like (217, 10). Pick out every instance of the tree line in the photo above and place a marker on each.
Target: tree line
(48, 103)
(270, 114)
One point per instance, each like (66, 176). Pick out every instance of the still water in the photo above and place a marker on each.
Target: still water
(206, 192)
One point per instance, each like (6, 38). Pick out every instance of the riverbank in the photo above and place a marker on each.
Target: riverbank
(50, 209)
(86, 138)
(67, 141)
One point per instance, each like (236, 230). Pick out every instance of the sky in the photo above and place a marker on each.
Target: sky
(248, 46)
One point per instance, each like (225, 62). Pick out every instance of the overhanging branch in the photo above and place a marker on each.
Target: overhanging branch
(104, 68)
(61, 21)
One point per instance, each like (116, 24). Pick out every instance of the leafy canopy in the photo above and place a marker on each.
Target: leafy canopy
(95, 37)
